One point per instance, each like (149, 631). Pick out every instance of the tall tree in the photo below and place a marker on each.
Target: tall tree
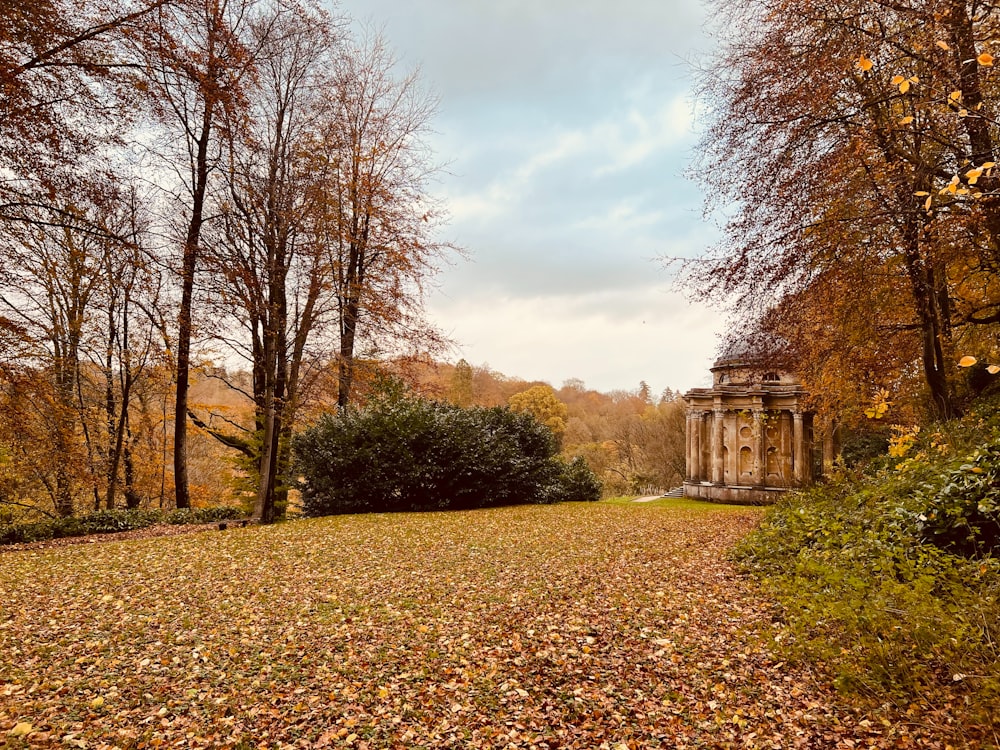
(73, 292)
(64, 80)
(381, 221)
(269, 261)
(196, 66)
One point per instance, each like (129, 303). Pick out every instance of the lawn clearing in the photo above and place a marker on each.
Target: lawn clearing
(575, 625)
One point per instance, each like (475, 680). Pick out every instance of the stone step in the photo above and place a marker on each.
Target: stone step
(675, 492)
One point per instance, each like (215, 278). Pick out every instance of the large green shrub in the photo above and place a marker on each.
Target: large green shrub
(403, 453)
(887, 578)
(577, 482)
(964, 514)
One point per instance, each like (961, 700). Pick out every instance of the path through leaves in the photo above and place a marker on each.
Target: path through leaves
(569, 626)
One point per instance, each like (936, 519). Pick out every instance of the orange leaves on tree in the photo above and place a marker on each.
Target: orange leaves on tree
(985, 59)
(968, 361)
(864, 64)
(951, 187)
(880, 405)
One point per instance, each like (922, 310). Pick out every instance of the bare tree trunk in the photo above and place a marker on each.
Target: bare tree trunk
(190, 261)
(345, 367)
(925, 296)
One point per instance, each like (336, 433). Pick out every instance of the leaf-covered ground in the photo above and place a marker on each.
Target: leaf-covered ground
(569, 626)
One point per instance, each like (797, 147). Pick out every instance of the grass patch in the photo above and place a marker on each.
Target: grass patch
(686, 504)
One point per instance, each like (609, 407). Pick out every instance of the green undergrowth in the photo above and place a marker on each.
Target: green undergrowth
(889, 574)
(108, 521)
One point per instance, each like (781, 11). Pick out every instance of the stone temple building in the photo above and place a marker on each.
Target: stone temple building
(748, 437)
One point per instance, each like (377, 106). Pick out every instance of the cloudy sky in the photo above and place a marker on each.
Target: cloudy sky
(566, 126)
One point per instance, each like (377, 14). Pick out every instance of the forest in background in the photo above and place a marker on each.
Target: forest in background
(632, 440)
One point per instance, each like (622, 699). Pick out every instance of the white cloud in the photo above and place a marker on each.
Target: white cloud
(565, 125)
(642, 134)
(622, 216)
(610, 145)
(611, 340)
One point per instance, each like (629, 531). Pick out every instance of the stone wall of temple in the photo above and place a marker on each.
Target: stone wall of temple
(748, 437)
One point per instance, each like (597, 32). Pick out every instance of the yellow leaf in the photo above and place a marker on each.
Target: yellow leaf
(864, 63)
(967, 361)
(914, 79)
(906, 120)
(904, 87)
(921, 193)
(896, 80)
(21, 729)
(97, 702)
(993, 369)
(963, 113)
(955, 95)
(985, 59)
(927, 204)
(383, 692)
(988, 165)
(943, 45)
(973, 175)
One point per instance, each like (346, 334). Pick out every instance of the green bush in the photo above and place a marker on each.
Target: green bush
(861, 446)
(875, 576)
(403, 453)
(202, 515)
(108, 521)
(964, 514)
(577, 482)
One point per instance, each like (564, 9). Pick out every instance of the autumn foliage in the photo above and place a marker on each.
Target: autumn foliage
(187, 182)
(569, 626)
(852, 149)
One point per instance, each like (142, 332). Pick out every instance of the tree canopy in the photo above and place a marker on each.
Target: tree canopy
(851, 148)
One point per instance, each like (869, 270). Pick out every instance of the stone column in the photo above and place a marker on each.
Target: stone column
(798, 447)
(718, 475)
(759, 449)
(698, 424)
(688, 443)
